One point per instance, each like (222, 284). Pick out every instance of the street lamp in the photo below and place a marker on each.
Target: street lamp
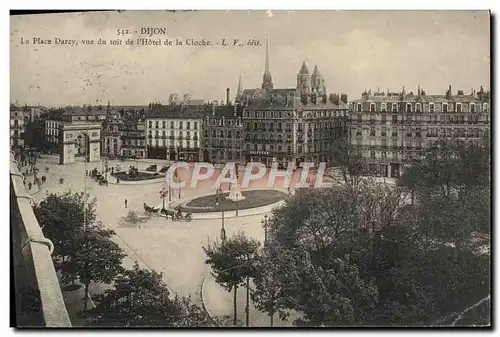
(163, 194)
(222, 230)
(264, 224)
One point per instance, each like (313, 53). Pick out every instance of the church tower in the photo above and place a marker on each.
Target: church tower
(240, 88)
(303, 81)
(267, 80)
(317, 82)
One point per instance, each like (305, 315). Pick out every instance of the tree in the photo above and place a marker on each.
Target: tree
(134, 219)
(349, 159)
(34, 136)
(140, 298)
(268, 282)
(61, 218)
(232, 262)
(95, 258)
(361, 255)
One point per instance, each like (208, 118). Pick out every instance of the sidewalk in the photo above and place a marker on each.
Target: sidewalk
(219, 303)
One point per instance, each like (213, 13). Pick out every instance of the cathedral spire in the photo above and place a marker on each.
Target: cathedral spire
(267, 80)
(267, 54)
(240, 88)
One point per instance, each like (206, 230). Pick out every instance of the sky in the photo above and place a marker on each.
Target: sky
(354, 50)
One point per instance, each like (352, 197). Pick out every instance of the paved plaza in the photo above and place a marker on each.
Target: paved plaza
(174, 248)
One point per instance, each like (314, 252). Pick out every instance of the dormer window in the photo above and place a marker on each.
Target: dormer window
(418, 107)
(472, 107)
(372, 107)
(383, 107)
(408, 107)
(458, 107)
(431, 107)
(445, 107)
(358, 108)
(394, 107)
(485, 107)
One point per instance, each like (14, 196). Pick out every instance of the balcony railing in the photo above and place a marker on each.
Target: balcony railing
(38, 298)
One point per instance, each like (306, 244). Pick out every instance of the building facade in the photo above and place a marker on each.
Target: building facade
(52, 131)
(133, 140)
(173, 131)
(391, 129)
(222, 134)
(16, 128)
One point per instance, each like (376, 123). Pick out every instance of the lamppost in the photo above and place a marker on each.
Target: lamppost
(220, 195)
(264, 224)
(163, 194)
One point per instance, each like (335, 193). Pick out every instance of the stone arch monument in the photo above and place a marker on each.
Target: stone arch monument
(68, 139)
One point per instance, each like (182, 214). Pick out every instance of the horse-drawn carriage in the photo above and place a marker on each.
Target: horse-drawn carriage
(175, 216)
(149, 209)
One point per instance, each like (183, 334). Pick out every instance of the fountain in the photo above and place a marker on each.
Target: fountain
(235, 193)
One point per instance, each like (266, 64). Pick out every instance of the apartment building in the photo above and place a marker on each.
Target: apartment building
(173, 131)
(391, 129)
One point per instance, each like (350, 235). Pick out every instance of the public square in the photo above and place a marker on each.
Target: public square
(173, 248)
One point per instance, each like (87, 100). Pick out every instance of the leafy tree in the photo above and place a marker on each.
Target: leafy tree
(349, 159)
(134, 219)
(95, 258)
(269, 279)
(140, 298)
(232, 262)
(61, 218)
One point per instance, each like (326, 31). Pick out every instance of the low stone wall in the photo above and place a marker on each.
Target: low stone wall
(38, 298)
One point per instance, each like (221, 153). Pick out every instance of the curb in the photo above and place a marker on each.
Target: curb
(228, 214)
(214, 321)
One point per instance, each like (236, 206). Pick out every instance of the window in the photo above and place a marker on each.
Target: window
(384, 119)
(431, 107)
(359, 132)
(372, 154)
(172, 125)
(418, 107)
(163, 124)
(372, 107)
(383, 107)
(418, 133)
(383, 132)
(358, 108)
(445, 107)
(383, 143)
(394, 107)
(472, 107)
(180, 125)
(150, 124)
(384, 154)
(408, 107)
(372, 131)
(394, 132)
(188, 125)
(394, 119)
(196, 125)
(458, 107)
(156, 124)
(221, 134)
(214, 135)
(485, 107)
(205, 133)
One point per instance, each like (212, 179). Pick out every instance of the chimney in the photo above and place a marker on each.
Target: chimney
(343, 98)
(213, 109)
(227, 96)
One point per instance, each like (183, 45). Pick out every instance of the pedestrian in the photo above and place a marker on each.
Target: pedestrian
(29, 185)
(86, 172)
(125, 202)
